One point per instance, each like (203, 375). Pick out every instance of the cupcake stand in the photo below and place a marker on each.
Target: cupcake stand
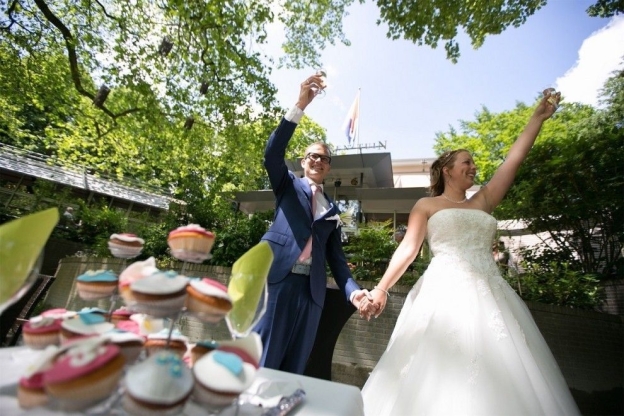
(278, 395)
(272, 392)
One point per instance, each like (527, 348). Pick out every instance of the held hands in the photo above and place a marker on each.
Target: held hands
(548, 104)
(308, 90)
(370, 304)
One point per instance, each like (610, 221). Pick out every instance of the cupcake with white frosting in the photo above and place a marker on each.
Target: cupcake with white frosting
(161, 294)
(84, 325)
(160, 385)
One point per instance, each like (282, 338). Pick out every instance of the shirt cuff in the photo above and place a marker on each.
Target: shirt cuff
(294, 115)
(351, 297)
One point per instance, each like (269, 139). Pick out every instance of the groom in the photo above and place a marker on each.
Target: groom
(305, 234)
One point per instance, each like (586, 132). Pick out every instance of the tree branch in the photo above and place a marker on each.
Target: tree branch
(10, 11)
(70, 45)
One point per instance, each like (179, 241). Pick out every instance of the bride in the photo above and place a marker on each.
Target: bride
(464, 342)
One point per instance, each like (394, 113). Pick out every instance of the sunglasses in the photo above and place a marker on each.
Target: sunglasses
(315, 157)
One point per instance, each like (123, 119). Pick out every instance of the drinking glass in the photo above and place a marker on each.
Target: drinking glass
(320, 89)
(551, 99)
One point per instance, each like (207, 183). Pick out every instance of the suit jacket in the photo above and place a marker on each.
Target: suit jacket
(293, 224)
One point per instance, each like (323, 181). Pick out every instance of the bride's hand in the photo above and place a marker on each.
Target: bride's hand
(548, 105)
(362, 301)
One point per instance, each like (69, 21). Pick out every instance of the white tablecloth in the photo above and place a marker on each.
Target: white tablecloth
(323, 398)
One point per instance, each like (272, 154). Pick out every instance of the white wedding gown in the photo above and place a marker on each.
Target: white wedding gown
(464, 342)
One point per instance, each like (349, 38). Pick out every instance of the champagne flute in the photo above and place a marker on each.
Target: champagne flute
(550, 93)
(319, 90)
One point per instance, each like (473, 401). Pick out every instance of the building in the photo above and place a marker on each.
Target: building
(381, 188)
(20, 170)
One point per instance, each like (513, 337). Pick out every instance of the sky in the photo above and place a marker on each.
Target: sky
(410, 92)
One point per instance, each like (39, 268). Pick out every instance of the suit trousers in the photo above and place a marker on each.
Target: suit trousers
(288, 328)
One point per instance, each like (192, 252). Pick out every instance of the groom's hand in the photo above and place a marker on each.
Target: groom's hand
(362, 300)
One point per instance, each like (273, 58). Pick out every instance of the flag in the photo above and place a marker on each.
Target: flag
(352, 122)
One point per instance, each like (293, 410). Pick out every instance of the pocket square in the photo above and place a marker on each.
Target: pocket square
(335, 218)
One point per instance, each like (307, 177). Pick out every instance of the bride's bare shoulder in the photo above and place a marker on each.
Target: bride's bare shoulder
(427, 205)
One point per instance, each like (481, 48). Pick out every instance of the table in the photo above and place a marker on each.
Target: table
(323, 398)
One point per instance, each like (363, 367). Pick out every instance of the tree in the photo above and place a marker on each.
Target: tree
(431, 22)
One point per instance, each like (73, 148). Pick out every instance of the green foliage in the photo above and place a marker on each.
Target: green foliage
(556, 284)
(606, 8)
(237, 234)
(430, 22)
(97, 225)
(433, 22)
(371, 249)
(490, 135)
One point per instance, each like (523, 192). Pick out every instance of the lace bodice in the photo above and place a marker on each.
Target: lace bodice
(467, 233)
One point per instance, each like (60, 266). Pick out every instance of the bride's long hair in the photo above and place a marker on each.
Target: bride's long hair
(446, 159)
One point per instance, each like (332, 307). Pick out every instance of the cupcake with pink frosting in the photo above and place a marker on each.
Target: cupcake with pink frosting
(208, 299)
(41, 331)
(30, 389)
(125, 245)
(191, 243)
(87, 373)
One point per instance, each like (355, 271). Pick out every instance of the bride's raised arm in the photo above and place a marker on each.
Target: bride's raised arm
(494, 191)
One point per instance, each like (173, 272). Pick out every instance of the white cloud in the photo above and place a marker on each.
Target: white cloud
(599, 55)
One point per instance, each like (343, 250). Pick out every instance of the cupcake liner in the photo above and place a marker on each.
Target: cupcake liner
(30, 398)
(85, 395)
(124, 252)
(135, 408)
(203, 311)
(94, 292)
(191, 256)
(160, 308)
(199, 244)
(212, 398)
(40, 341)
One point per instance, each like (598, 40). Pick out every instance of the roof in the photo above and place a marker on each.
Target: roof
(40, 166)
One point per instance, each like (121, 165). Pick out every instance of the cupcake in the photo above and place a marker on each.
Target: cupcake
(129, 343)
(208, 299)
(161, 294)
(200, 349)
(119, 315)
(96, 284)
(220, 377)
(160, 385)
(40, 331)
(88, 372)
(125, 246)
(136, 271)
(84, 325)
(30, 389)
(191, 243)
(157, 342)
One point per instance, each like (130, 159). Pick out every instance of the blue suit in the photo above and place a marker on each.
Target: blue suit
(288, 328)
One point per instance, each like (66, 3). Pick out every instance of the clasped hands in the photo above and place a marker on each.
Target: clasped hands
(370, 304)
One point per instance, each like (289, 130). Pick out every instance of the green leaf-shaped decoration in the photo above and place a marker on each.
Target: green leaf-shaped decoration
(246, 288)
(21, 242)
